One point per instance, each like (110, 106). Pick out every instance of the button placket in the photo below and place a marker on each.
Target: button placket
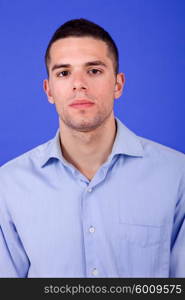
(89, 233)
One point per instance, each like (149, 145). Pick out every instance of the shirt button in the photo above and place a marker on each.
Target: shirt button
(89, 190)
(91, 229)
(94, 272)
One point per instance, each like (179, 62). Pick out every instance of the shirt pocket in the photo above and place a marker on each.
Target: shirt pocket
(141, 235)
(139, 250)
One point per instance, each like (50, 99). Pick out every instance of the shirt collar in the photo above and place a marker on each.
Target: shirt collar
(52, 151)
(126, 143)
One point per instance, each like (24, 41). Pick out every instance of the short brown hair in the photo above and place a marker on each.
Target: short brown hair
(83, 28)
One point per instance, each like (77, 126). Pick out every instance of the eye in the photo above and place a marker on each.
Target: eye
(63, 73)
(95, 71)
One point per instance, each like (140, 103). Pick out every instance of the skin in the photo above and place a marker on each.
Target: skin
(82, 69)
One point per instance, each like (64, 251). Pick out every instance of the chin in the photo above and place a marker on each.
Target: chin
(83, 126)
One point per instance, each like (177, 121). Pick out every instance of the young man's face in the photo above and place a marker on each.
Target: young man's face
(82, 82)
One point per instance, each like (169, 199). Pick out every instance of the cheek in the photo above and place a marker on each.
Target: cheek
(107, 93)
(59, 89)
(104, 86)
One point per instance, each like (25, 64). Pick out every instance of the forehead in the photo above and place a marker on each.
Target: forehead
(78, 48)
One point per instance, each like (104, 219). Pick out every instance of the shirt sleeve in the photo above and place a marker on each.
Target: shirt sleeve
(177, 259)
(13, 258)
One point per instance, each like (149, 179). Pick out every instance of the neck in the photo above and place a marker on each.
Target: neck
(87, 151)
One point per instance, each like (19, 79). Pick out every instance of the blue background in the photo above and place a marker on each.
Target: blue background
(150, 35)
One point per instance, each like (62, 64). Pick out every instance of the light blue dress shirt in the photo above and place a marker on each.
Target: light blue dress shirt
(128, 221)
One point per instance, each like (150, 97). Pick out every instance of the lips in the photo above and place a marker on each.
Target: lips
(81, 103)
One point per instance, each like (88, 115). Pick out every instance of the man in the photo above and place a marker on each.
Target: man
(97, 200)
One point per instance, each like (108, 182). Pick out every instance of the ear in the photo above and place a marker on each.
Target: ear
(47, 90)
(120, 82)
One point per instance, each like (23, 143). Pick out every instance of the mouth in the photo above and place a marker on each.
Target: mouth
(81, 104)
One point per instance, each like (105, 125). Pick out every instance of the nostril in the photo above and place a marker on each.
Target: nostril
(79, 88)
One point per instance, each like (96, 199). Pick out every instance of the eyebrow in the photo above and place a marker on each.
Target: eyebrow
(87, 64)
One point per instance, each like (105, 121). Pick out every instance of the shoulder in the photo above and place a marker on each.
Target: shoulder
(155, 149)
(161, 155)
(26, 161)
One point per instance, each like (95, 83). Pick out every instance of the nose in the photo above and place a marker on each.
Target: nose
(79, 82)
